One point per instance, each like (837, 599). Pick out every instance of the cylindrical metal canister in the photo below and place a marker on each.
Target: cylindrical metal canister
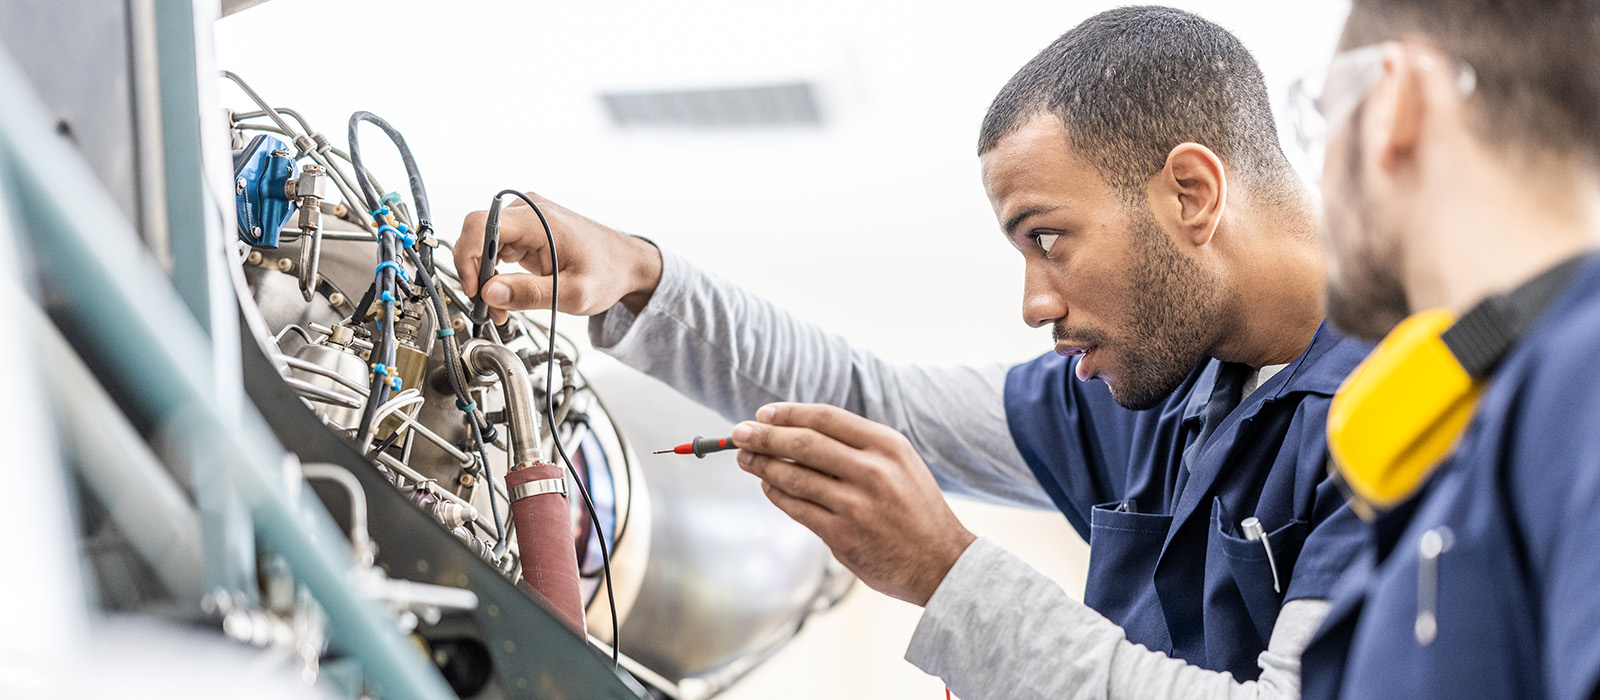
(340, 361)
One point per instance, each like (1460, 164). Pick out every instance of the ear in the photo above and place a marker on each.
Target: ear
(1190, 193)
(1395, 112)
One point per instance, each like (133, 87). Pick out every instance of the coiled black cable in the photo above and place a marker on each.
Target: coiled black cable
(419, 193)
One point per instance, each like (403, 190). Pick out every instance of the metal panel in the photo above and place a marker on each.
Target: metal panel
(75, 55)
(194, 225)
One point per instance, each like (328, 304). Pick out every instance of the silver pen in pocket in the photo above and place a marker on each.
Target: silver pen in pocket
(1254, 532)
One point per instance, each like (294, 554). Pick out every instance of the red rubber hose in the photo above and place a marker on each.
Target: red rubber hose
(544, 539)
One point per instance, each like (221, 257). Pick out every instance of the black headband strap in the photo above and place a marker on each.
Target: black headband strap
(1482, 336)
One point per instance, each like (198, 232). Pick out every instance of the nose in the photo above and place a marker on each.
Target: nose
(1042, 305)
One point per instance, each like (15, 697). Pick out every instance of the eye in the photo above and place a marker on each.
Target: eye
(1044, 240)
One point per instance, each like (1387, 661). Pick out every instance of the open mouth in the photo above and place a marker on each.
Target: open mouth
(1085, 352)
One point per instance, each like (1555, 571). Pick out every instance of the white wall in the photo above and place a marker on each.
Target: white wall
(874, 225)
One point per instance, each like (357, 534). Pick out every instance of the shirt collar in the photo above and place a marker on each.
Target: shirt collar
(1322, 367)
(1319, 369)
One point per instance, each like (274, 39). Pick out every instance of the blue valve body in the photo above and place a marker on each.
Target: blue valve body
(261, 204)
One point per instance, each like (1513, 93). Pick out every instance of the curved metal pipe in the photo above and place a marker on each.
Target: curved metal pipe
(323, 394)
(540, 511)
(486, 358)
(360, 541)
(314, 368)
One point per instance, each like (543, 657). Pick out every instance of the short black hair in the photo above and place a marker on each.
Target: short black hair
(1132, 83)
(1536, 63)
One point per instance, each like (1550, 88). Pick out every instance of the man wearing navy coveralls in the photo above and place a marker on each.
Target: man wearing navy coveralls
(1135, 166)
(1463, 173)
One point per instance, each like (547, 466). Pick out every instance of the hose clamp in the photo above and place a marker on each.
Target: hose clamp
(539, 487)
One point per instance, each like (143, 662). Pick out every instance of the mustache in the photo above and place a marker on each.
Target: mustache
(1061, 332)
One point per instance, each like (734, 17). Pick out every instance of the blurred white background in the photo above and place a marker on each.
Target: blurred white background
(873, 224)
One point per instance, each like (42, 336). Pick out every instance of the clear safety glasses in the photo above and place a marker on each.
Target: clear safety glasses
(1322, 100)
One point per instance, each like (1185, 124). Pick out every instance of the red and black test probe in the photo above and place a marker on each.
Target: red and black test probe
(701, 446)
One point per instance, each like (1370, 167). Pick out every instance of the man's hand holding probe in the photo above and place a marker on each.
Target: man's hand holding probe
(599, 265)
(862, 488)
(858, 485)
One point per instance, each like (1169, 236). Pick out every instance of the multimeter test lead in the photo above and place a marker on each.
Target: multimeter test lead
(701, 446)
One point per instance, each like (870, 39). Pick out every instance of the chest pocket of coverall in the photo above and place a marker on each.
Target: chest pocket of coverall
(1124, 548)
(1251, 581)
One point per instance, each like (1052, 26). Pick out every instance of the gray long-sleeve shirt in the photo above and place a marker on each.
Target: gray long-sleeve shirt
(995, 627)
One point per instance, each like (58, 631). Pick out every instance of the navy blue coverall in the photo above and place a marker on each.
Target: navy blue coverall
(1160, 494)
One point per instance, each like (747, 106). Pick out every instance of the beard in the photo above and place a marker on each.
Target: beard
(1175, 317)
(1366, 296)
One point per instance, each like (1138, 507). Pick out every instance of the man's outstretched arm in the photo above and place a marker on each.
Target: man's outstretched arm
(735, 352)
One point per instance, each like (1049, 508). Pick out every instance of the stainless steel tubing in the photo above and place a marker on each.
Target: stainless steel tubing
(360, 538)
(314, 368)
(322, 395)
(487, 358)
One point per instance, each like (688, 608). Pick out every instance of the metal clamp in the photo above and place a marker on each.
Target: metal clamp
(539, 487)
(1430, 548)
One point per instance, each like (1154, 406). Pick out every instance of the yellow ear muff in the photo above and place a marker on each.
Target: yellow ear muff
(1399, 413)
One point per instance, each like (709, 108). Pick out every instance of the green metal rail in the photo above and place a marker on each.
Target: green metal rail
(108, 295)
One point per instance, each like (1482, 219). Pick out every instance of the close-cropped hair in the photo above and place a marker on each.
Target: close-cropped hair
(1132, 83)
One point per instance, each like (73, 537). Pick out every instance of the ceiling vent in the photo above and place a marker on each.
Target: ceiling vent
(778, 105)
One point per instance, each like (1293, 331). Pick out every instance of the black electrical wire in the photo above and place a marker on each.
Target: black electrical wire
(419, 192)
(384, 351)
(384, 286)
(550, 414)
(366, 303)
(500, 539)
(423, 261)
(411, 295)
(621, 530)
(452, 362)
(387, 443)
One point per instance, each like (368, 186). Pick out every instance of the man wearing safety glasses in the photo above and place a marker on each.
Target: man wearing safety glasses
(1462, 190)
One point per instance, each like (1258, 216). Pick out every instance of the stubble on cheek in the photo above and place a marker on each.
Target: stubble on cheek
(1366, 294)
